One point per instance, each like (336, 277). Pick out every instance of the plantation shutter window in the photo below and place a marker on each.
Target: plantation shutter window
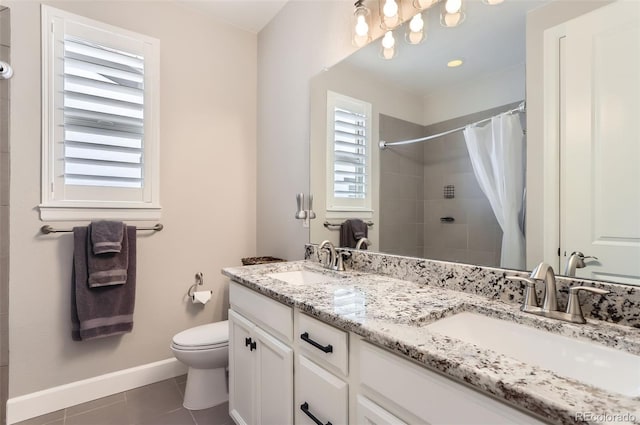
(349, 153)
(100, 132)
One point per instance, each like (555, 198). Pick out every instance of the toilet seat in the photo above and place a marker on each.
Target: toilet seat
(204, 337)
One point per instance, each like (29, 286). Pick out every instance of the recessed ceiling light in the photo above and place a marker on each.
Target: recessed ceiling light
(454, 63)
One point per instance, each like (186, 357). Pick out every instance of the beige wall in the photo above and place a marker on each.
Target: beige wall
(208, 192)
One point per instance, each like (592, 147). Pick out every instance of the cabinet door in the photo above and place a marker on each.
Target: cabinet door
(241, 370)
(274, 380)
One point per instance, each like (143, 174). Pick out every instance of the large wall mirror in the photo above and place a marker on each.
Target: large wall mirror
(427, 199)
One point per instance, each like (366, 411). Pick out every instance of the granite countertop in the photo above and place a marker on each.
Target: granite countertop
(393, 314)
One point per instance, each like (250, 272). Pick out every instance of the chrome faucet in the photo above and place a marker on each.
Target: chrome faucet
(367, 243)
(326, 244)
(544, 272)
(576, 261)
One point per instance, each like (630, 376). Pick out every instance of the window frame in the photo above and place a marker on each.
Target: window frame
(112, 203)
(348, 206)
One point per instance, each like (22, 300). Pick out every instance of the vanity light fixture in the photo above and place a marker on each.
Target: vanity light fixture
(388, 49)
(451, 14)
(361, 24)
(390, 14)
(415, 30)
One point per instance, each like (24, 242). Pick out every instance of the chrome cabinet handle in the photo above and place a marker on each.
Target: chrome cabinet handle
(324, 348)
(305, 408)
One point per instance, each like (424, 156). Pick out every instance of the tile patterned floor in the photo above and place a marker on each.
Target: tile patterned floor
(155, 404)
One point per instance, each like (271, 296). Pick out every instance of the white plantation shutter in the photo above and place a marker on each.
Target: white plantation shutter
(349, 153)
(100, 120)
(103, 115)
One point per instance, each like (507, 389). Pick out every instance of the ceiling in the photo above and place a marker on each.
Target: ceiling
(490, 38)
(248, 15)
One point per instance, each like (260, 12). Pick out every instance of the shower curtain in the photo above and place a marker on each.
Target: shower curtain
(497, 154)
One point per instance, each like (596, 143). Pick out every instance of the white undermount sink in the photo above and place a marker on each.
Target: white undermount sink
(603, 367)
(297, 277)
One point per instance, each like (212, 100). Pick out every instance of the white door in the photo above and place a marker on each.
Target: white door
(241, 370)
(274, 380)
(600, 142)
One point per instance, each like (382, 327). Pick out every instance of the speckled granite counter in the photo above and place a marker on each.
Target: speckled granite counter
(395, 311)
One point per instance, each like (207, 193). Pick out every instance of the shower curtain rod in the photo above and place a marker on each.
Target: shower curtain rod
(383, 145)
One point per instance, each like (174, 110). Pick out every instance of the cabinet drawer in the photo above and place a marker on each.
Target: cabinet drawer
(429, 395)
(320, 393)
(370, 413)
(324, 343)
(272, 315)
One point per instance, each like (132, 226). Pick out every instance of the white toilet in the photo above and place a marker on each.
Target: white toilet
(205, 349)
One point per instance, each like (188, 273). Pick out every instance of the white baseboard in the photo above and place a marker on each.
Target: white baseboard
(52, 399)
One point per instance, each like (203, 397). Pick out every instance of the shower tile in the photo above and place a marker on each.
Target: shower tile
(446, 254)
(480, 213)
(399, 211)
(483, 258)
(433, 182)
(483, 237)
(466, 185)
(420, 211)
(398, 186)
(4, 179)
(5, 28)
(454, 236)
(4, 123)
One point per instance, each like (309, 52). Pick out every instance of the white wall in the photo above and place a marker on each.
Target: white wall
(489, 91)
(304, 37)
(208, 176)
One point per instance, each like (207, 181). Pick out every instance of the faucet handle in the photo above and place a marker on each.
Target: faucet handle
(341, 255)
(573, 306)
(530, 297)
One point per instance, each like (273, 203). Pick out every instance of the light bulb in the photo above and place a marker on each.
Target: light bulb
(453, 6)
(390, 8)
(452, 19)
(416, 24)
(388, 53)
(362, 29)
(415, 37)
(388, 41)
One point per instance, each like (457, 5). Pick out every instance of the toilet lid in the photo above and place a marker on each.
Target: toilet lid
(205, 335)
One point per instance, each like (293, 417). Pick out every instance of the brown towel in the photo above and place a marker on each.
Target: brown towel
(106, 236)
(109, 268)
(351, 231)
(102, 311)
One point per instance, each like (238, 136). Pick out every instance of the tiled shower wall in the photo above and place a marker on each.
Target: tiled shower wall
(4, 216)
(474, 236)
(401, 189)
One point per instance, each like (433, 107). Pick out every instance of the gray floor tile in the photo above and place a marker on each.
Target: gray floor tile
(181, 387)
(153, 400)
(181, 378)
(217, 415)
(95, 404)
(115, 414)
(44, 419)
(177, 417)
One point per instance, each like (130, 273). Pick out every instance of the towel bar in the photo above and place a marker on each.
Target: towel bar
(334, 226)
(46, 229)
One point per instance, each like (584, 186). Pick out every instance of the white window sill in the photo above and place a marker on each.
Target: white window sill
(49, 213)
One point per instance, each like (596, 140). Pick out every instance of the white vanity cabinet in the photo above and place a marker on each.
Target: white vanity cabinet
(260, 364)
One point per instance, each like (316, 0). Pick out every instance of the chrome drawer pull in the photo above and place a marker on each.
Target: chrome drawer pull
(327, 349)
(305, 408)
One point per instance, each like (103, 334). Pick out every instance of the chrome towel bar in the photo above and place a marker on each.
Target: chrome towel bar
(334, 226)
(46, 229)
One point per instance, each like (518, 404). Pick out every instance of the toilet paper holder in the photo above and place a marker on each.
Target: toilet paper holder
(199, 282)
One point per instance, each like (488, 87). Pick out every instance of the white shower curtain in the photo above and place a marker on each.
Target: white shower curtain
(498, 157)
